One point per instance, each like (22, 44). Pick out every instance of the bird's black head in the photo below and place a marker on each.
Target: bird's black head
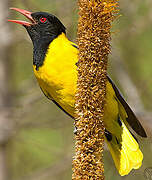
(42, 29)
(43, 26)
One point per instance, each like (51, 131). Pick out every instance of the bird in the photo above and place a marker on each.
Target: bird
(55, 60)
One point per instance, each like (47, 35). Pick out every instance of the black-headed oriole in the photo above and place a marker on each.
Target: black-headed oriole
(54, 64)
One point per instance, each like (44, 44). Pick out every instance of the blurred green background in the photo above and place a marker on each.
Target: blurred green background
(41, 143)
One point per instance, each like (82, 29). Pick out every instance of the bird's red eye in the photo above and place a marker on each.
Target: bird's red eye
(43, 20)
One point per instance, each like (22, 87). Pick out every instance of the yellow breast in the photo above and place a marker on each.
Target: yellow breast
(58, 74)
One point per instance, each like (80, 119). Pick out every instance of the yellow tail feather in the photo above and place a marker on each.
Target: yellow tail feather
(126, 154)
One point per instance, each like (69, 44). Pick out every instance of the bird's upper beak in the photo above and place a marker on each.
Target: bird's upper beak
(26, 14)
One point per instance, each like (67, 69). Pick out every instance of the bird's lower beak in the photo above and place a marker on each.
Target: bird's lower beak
(26, 14)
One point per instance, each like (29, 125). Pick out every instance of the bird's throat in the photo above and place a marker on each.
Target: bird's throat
(40, 48)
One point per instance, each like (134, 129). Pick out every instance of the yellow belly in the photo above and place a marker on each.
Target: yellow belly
(60, 88)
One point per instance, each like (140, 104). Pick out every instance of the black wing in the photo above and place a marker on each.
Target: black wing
(132, 120)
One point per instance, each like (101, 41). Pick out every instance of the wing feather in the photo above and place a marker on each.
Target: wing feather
(132, 120)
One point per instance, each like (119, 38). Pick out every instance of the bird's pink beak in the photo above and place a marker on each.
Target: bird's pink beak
(26, 14)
